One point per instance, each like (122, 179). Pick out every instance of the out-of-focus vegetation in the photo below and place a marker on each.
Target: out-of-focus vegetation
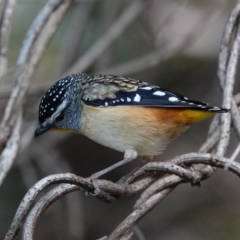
(186, 34)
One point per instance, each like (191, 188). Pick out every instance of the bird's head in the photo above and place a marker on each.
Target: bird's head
(60, 107)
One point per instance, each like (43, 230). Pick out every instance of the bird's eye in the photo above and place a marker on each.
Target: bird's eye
(60, 117)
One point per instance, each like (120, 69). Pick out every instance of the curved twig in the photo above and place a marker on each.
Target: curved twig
(38, 37)
(228, 58)
(108, 38)
(28, 201)
(160, 189)
(151, 177)
(5, 30)
(42, 205)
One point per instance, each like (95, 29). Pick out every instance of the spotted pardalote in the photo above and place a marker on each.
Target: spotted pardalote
(130, 116)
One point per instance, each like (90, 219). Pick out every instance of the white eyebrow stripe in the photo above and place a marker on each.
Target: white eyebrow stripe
(59, 109)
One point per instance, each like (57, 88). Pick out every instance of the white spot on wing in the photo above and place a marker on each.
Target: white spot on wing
(215, 109)
(159, 93)
(137, 98)
(106, 103)
(173, 99)
(146, 88)
(128, 99)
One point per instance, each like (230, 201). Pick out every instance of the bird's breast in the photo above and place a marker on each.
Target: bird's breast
(147, 130)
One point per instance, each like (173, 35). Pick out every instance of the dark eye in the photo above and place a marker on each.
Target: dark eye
(60, 117)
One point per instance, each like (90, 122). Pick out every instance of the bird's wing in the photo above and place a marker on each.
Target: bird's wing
(109, 90)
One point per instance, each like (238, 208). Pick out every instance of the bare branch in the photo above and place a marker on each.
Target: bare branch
(5, 30)
(42, 205)
(214, 129)
(235, 154)
(228, 65)
(115, 189)
(156, 179)
(32, 194)
(225, 47)
(235, 116)
(166, 167)
(10, 151)
(130, 221)
(71, 41)
(37, 39)
(159, 55)
(108, 38)
(160, 189)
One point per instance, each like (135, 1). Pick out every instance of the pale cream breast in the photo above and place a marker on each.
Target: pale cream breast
(125, 127)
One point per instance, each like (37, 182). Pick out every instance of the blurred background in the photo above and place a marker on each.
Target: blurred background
(173, 44)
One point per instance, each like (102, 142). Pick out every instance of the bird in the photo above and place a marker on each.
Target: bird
(127, 115)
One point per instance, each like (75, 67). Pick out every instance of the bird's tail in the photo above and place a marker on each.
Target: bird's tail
(190, 116)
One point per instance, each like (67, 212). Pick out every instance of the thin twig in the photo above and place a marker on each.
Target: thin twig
(138, 213)
(35, 44)
(159, 55)
(151, 175)
(228, 58)
(225, 46)
(5, 30)
(37, 38)
(235, 154)
(152, 196)
(116, 29)
(32, 194)
(70, 46)
(42, 205)
(10, 151)
(108, 187)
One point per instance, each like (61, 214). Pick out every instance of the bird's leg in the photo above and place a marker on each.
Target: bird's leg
(129, 155)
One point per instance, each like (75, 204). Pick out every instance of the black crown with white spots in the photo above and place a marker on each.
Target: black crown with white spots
(54, 97)
(149, 95)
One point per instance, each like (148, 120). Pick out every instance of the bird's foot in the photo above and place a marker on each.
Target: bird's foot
(195, 182)
(97, 190)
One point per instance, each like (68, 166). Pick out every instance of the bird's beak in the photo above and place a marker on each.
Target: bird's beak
(40, 130)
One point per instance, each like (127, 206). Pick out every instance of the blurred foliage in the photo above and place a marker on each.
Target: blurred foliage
(210, 212)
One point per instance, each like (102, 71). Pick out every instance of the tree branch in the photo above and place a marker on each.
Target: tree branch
(34, 45)
(115, 30)
(5, 30)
